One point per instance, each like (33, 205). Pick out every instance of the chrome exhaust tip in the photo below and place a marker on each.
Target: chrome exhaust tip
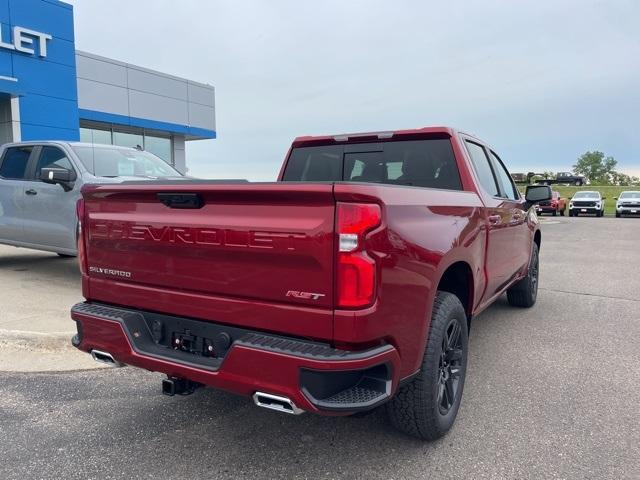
(104, 357)
(277, 403)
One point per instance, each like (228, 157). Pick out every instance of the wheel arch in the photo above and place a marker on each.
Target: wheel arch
(458, 279)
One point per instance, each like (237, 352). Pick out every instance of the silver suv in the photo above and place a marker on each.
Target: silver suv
(586, 202)
(628, 203)
(40, 184)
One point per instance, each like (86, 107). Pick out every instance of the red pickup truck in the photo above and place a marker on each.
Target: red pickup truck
(348, 283)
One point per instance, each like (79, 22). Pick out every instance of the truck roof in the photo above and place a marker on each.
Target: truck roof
(63, 142)
(415, 133)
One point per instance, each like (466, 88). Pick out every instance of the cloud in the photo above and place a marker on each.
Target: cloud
(542, 82)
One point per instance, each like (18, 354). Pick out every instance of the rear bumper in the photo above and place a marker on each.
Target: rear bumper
(546, 208)
(315, 376)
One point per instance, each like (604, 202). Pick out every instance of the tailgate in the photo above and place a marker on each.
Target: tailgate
(266, 242)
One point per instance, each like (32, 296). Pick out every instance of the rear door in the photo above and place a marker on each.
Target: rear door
(503, 221)
(517, 216)
(49, 210)
(13, 173)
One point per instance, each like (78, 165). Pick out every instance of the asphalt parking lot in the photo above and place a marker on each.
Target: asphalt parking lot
(552, 392)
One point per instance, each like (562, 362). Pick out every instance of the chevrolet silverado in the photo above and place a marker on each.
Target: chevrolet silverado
(349, 283)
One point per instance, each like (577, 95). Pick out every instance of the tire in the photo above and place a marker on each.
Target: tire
(554, 213)
(617, 214)
(525, 292)
(422, 408)
(578, 183)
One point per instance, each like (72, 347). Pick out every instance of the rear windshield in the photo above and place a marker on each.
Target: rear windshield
(421, 163)
(123, 162)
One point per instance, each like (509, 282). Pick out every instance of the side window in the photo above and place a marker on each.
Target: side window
(508, 187)
(52, 157)
(483, 168)
(14, 162)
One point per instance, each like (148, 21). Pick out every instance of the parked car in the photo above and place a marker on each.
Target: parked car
(628, 203)
(588, 203)
(40, 183)
(561, 177)
(349, 283)
(556, 205)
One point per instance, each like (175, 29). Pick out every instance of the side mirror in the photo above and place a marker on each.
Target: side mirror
(536, 194)
(60, 176)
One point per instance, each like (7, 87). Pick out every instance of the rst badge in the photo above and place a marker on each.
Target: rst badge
(305, 295)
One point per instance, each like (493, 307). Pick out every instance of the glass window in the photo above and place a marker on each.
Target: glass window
(483, 168)
(421, 163)
(14, 163)
(587, 195)
(629, 195)
(95, 135)
(159, 146)
(117, 162)
(127, 139)
(365, 167)
(86, 135)
(315, 164)
(52, 157)
(508, 187)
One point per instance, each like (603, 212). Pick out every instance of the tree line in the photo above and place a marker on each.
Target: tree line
(601, 170)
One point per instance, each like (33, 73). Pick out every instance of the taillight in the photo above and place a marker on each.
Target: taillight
(82, 253)
(356, 271)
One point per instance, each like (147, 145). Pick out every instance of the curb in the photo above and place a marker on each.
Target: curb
(24, 340)
(37, 352)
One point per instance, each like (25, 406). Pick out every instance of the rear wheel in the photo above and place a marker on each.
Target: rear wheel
(525, 292)
(555, 212)
(617, 214)
(427, 406)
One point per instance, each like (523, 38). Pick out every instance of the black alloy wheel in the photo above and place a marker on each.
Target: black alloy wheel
(450, 367)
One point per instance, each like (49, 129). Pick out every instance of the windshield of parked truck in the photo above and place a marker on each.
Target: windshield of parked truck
(629, 195)
(421, 163)
(123, 162)
(587, 195)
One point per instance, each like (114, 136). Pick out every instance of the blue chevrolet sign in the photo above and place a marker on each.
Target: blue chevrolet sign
(38, 68)
(24, 40)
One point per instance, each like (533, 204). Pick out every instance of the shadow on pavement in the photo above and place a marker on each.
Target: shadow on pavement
(41, 264)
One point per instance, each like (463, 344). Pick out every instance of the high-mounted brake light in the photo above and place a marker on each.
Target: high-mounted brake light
(356, 270)
(82, 253)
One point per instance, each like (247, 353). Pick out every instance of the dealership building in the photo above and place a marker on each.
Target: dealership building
(51, 91)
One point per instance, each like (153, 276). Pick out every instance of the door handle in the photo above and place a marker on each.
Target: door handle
(495, 219)
(31, 191)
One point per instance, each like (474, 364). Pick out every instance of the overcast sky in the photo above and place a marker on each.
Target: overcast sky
(541, 82)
